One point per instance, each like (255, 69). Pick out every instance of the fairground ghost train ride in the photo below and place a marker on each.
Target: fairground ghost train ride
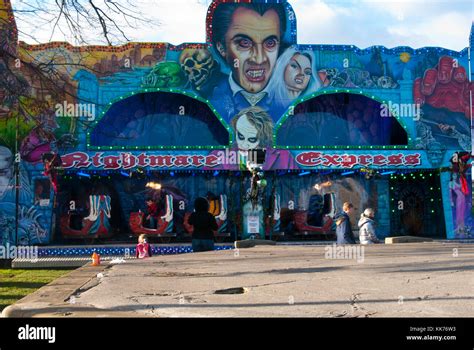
(275, 134)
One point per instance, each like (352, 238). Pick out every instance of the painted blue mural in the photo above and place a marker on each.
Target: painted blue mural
(337, 123)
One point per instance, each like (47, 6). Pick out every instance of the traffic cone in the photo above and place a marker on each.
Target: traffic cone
(95, 259)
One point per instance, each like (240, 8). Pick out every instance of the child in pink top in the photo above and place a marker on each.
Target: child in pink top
(143, 249)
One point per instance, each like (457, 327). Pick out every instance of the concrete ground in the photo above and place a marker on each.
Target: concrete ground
(401, 280)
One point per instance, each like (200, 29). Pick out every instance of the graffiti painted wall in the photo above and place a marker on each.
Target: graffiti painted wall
(204, 106)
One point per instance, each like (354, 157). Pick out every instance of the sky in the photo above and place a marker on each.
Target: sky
(362, 23)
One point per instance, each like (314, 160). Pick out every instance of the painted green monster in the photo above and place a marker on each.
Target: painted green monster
(165, 75)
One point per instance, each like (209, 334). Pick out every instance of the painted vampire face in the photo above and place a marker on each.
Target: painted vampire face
(251, 47)
(246, 134)
(298, 73)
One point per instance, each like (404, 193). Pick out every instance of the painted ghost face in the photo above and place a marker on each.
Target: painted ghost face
(246, 134)
(251, 47)
(298, 73)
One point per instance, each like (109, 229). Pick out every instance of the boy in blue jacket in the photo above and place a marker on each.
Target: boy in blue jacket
(343, 225)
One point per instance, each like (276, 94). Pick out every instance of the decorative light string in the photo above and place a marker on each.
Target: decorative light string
(118, 251)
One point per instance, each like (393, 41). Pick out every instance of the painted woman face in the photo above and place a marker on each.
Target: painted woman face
(298, 73)
(246, 134)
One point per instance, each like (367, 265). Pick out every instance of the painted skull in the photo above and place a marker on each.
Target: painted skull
(198, 64)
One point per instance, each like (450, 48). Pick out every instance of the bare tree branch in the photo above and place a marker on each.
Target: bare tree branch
(31, 85)
(80, 21)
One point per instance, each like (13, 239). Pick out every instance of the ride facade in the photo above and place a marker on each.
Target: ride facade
(276, 135)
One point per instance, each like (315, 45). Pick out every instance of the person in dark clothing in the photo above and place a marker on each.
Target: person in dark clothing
(152, 213)
(204, 224)
(343, 225)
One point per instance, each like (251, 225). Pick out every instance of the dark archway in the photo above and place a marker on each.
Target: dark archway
(340, 119)
(416, 206)
(159, 120)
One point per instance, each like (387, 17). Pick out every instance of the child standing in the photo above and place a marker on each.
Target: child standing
(143, 249)
(367, 227)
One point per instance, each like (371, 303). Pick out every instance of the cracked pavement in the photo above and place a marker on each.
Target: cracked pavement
(402, 280)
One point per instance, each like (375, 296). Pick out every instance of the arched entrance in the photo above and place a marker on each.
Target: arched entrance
(340, 119)
(159, 119)
(416, 205)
